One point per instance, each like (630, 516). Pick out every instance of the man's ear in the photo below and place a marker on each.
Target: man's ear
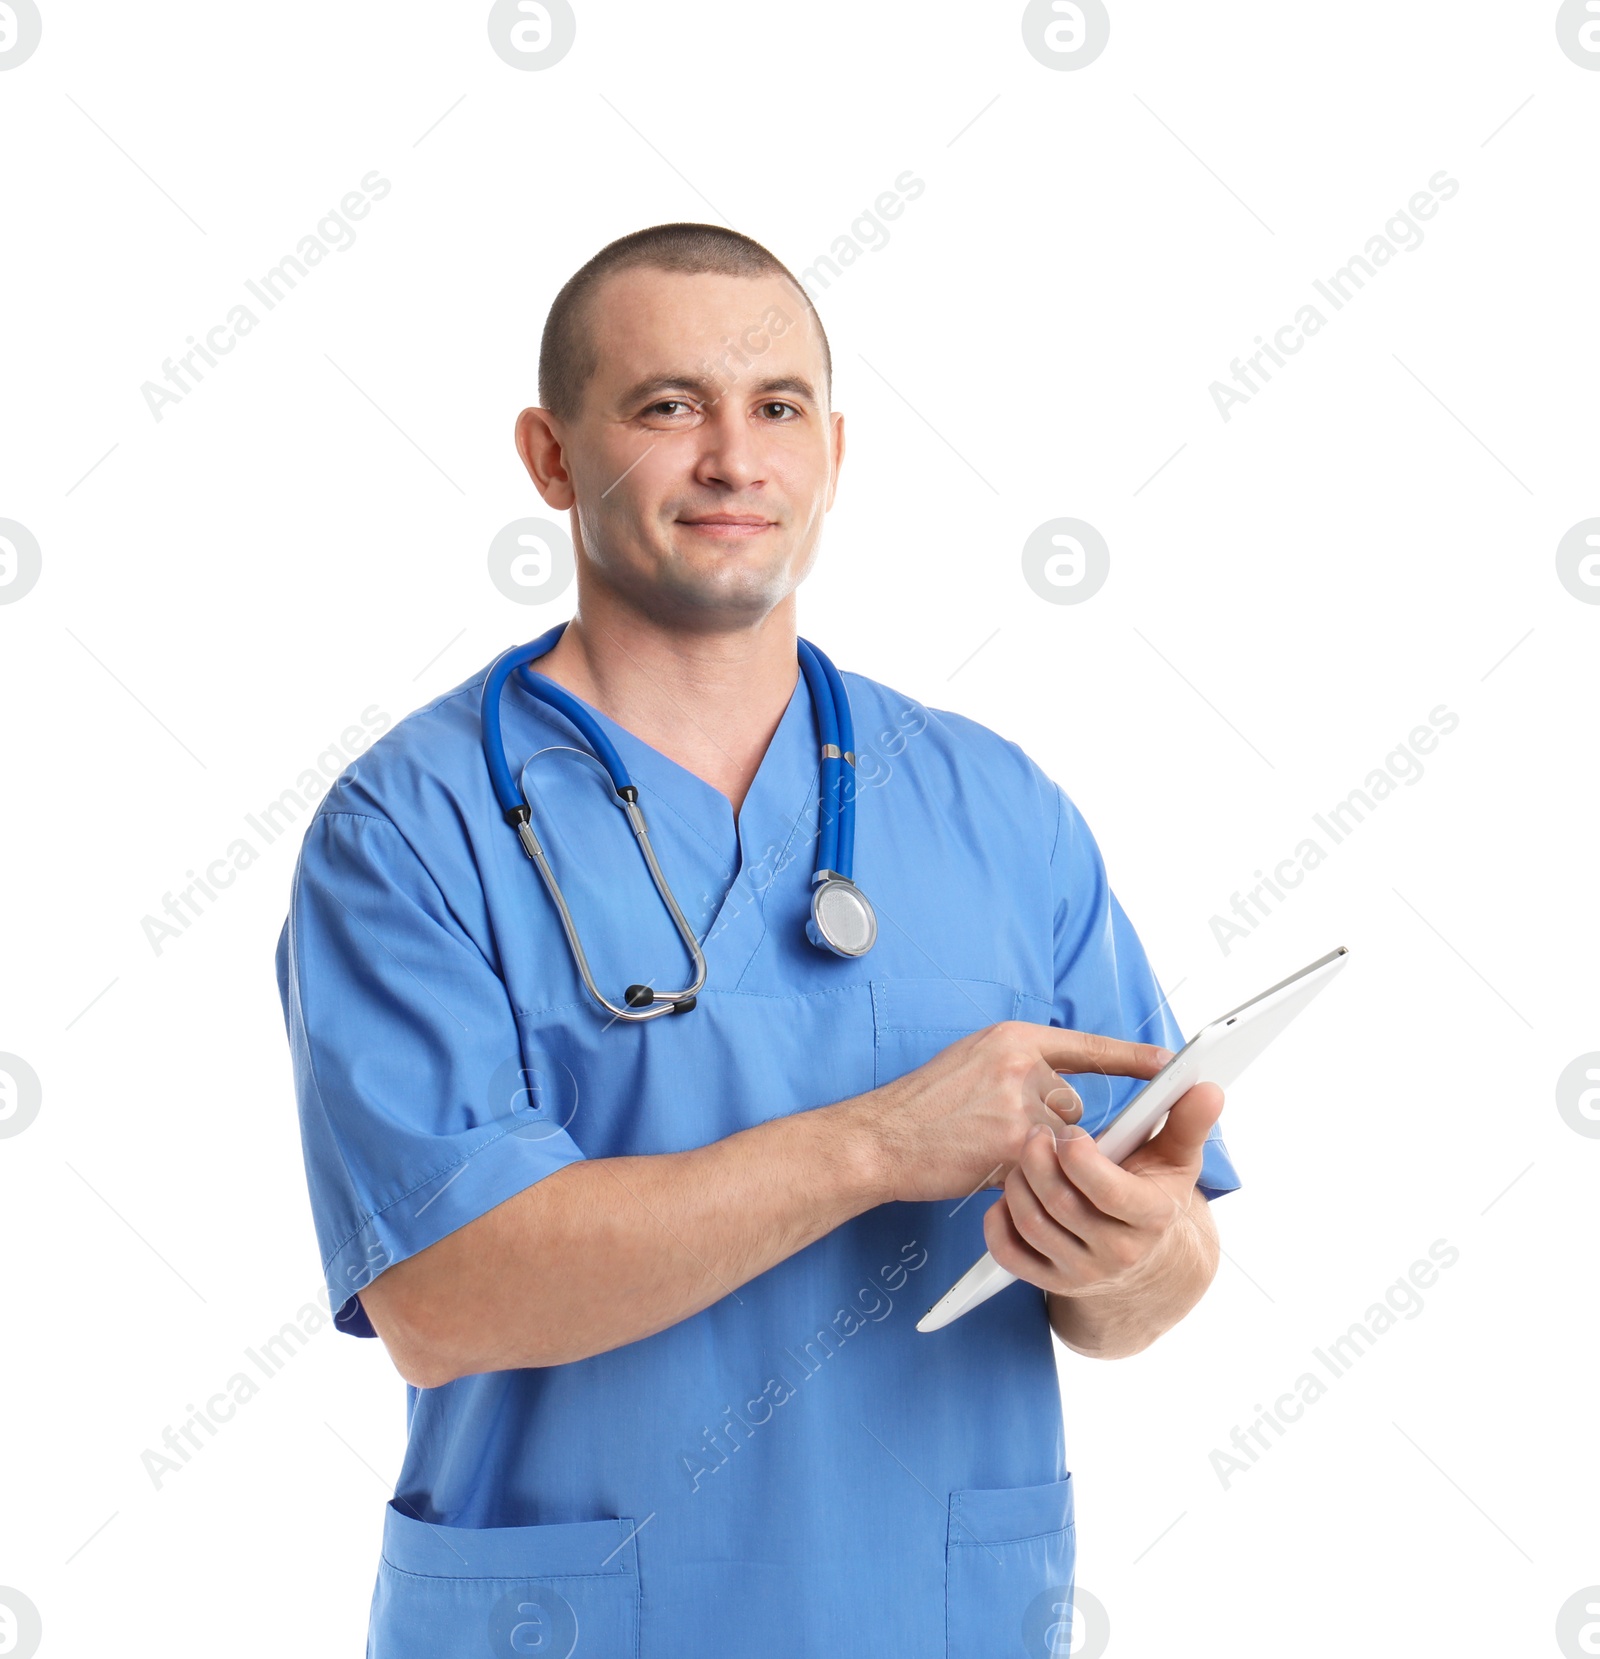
(836, 440)
(542, 454)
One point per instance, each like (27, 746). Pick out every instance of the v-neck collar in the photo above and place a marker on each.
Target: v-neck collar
(779, 810)
(792, 754)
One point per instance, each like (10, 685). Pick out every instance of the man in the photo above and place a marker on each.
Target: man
(654, 1284)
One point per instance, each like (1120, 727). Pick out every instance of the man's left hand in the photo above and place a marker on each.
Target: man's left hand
(1078, 1225)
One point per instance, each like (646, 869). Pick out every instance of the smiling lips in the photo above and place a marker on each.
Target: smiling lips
(728, 526)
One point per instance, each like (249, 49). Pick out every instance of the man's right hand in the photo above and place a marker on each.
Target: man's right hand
(957, 1124)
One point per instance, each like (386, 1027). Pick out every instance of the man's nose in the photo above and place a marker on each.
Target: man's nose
(730, 453)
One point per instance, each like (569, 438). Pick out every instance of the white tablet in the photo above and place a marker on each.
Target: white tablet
(1218, 1054)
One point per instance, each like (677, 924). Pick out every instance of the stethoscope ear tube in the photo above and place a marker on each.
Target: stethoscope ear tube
(519, 815)
(652, 1003)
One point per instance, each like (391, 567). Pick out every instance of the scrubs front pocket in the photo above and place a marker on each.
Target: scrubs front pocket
(1009, 1557)
(915, 1018)
(504, 1592)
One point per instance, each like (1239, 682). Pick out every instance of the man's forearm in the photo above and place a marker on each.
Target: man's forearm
(1115, 1323)
(610, 1250)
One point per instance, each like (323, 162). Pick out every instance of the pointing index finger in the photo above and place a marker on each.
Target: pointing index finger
(1063, 1049)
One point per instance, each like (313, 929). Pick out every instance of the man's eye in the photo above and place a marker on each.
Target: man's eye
(667, 403)
(789, 406)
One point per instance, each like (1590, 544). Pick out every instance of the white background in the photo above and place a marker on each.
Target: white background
(225, 590)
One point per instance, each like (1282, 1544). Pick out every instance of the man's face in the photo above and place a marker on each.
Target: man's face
(704, 456)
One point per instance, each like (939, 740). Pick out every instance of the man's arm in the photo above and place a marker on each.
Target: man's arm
(609, 1250)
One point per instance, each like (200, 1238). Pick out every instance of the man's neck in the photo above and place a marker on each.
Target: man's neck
(709, 701)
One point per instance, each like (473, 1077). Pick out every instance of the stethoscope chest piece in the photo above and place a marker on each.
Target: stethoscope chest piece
(842, 917)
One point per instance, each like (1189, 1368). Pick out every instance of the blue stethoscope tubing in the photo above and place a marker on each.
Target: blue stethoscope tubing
(842, 919)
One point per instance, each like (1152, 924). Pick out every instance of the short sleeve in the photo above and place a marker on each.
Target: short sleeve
(1104, 983)
(407, 1063)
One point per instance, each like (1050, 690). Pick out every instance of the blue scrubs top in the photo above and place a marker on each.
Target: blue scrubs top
(793, 1470)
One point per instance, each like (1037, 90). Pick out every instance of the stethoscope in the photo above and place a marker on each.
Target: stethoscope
(842, 919)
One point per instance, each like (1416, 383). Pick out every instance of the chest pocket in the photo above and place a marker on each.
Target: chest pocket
(913, 1019)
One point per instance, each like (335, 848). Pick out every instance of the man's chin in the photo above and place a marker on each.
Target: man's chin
(719, 595)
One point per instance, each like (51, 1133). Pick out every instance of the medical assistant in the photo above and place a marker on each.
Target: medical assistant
(794, 1470)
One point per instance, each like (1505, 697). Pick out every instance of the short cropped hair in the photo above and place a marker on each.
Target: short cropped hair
(568, 354)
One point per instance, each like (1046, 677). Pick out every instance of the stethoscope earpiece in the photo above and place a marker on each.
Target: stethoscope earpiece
(641, 996)
(842, 919)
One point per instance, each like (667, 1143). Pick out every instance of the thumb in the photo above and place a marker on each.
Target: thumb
(1183, 1135)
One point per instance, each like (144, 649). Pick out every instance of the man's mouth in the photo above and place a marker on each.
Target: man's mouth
(728, 526)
